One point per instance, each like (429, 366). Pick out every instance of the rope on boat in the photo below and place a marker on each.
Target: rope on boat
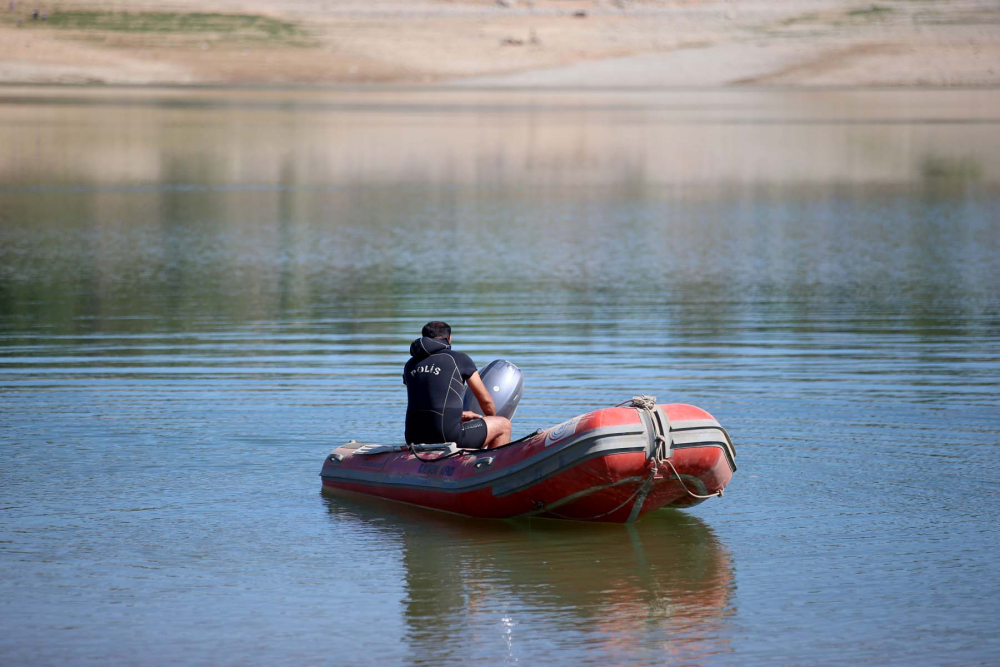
(413, 450)
(684, 486)
(642, 401)
(512, 442)
(642, 488)
(661, 445)
(468, 452)
(661, 449)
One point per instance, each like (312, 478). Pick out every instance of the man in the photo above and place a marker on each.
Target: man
(435, 377)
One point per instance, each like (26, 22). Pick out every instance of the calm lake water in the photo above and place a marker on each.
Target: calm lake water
(202, 292)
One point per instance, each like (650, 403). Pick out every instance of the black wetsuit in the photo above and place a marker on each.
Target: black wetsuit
(435, 379)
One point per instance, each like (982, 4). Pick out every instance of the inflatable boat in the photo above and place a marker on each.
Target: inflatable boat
(610, 465)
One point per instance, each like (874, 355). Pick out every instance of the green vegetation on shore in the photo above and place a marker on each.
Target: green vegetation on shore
(870, 12)
(957, 170)
(239, 26)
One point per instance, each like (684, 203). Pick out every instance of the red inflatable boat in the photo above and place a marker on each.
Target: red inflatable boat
(611, 465)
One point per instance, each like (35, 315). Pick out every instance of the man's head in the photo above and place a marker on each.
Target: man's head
(436, 330)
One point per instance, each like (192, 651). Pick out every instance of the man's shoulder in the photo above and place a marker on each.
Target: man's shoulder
(458, 356)
(466, 366)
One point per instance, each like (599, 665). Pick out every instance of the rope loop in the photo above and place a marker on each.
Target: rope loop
(643, 401)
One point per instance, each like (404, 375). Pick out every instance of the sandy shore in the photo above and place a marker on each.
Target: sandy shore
(545, 43)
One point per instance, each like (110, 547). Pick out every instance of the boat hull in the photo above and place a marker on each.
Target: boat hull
(602, 466)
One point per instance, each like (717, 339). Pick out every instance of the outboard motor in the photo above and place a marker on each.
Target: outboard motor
(505, 382)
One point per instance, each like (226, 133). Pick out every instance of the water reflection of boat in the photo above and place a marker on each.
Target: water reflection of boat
(663, 585)
(612, 465)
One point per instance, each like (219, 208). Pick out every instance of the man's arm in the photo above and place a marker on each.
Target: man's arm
(482, 394)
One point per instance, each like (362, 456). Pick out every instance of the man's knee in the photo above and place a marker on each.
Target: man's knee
(497, 428)
(498, 424)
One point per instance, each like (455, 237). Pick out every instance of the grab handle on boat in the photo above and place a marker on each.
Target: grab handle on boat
(484, 463)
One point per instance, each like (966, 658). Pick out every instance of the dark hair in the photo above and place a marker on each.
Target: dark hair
(436, 330)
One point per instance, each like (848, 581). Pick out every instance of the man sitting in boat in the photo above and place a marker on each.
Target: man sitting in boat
(435, 377)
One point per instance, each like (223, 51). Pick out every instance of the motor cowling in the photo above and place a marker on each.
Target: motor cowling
(505, 382)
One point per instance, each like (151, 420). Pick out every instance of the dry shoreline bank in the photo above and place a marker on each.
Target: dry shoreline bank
(627, 43)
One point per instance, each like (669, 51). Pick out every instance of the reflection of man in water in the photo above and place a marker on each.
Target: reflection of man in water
(435, 377)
